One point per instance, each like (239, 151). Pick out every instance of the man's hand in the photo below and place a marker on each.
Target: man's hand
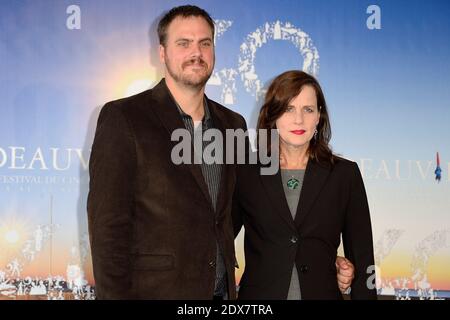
(345, 273)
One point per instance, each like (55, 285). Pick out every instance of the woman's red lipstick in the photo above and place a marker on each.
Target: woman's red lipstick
(298, 132)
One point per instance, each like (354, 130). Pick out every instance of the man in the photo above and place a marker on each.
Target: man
(160, 230)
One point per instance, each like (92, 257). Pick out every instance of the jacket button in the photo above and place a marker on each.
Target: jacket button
(303, 269)
(212, 264)
(294, 239)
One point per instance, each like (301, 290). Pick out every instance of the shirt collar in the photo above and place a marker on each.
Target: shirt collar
(206, 117)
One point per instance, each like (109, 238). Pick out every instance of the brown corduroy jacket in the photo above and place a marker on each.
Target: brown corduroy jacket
(153, 231)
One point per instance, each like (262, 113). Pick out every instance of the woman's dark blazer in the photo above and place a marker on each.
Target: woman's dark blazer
(333, 202)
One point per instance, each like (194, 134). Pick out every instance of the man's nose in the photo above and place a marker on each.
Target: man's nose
(196, 50)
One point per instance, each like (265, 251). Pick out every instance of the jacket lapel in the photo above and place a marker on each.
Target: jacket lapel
(274, 188)
(166, 109)
(315, 178)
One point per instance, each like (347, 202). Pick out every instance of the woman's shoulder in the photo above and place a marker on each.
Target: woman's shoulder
(253, 168)
(249, 167)
(341, 161)
(347, 170)
(344, 165)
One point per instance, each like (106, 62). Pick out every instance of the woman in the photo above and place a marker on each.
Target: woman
(294, 220)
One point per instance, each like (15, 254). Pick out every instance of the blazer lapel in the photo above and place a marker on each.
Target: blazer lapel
(166, 109)
(274, 188)
(315, 178)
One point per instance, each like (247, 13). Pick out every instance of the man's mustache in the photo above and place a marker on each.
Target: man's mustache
(198, 61)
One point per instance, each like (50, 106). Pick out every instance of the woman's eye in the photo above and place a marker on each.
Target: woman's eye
(289, 109)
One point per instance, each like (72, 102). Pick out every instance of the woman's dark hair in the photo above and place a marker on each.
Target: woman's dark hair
(282, 90)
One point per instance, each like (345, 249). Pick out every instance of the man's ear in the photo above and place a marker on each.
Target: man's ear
(162, 54)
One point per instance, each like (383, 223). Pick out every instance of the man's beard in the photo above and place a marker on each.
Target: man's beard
(190, 80)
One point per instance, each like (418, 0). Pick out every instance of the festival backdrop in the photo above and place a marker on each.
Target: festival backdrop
(384, 67)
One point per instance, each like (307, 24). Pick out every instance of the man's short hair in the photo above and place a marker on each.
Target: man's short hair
(184, 12)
